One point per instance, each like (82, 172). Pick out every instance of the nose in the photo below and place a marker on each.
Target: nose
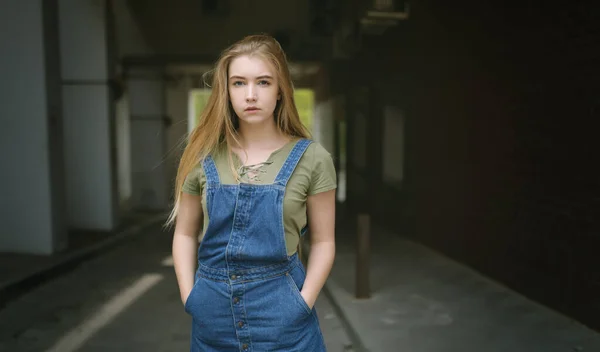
(250, 93)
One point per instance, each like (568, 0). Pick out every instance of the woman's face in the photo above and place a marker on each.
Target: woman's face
(253, 89)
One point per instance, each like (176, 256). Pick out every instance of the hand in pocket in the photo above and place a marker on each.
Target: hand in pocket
(186, 297)
(309, 302)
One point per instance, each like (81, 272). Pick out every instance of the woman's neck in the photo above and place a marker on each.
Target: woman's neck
(261, 136)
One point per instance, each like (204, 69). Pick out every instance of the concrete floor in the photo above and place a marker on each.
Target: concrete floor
(126, 299)
(425, 302)
(123, 300)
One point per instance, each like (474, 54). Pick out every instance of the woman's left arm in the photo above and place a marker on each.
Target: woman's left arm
(321, 222)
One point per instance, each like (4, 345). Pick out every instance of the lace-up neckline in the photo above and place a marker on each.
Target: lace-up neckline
(253, 172)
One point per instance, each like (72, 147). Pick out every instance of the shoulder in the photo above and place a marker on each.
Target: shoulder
(316, 154)
(318, 151)
(317, 158)
(320, 167)
(194, 180)
(196, 173)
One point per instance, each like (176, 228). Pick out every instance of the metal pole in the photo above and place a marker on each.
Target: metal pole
(363, 249)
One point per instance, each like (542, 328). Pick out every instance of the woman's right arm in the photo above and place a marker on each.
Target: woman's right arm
(185, 242)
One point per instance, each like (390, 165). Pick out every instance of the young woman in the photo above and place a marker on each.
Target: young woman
(250, 182)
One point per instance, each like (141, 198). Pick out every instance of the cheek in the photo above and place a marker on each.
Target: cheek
(235, 100)
(273, 99)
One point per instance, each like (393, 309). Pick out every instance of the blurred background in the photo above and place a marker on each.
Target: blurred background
(462, 133)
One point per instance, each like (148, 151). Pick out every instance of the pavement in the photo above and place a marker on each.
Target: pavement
(422, 301)
(122, 299)
(21, 272)
(120, 294)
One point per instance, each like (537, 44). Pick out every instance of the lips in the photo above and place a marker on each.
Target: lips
(251, 108)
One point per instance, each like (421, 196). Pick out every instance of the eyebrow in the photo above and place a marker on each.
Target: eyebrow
(259, 77)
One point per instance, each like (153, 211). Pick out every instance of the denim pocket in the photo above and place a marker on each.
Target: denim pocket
(188, 299)
(209, 305)
(296, 286)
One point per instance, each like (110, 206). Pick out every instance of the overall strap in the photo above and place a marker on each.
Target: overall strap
(210, 170)
(292, 160)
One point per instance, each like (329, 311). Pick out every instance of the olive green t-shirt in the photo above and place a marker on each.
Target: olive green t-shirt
(315, 173)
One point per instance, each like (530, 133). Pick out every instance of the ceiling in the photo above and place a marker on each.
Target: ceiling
(188, 29)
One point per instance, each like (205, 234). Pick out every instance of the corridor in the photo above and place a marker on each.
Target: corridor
(126, 299)
(464, 129)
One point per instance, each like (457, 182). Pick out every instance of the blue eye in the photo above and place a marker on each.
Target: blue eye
(263, 82)
(237, 83)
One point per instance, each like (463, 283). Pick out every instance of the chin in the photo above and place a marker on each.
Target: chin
(254, 119)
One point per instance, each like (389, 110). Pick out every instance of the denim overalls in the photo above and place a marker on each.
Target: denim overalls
(246, 296)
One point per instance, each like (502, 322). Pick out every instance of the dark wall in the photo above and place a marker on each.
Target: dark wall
(501, 105)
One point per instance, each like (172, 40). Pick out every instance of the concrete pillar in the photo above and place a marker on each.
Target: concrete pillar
(147, 105)
(31, 181)
(324, 118)
(178, 96)
(324, 124)
(92, 196)
(123, 133)
(129, 41)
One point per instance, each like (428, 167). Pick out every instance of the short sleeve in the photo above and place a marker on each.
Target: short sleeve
(191, 184)
(323, 175)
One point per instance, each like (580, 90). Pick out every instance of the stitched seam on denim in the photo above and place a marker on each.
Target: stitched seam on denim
(209, 196)
(250, 185)
(187, 300)
(244, 317)
(243, 289)
(230, 289)
(245, 217)
(285, 270)
(260, 187)
(284, 173)
(284, 163)
(216, 171)
(292, 161)
(232, 230)
(211, 172)
(280, 269)
(282, 222)
(298, 295)
(213, 279)
(293, 260)
(207, 171)
(259, 278)
(247, 325)
(282, 179)
(265, 278)
(316, 320)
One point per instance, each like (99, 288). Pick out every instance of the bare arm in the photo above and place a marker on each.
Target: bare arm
(185, 242)
(321, 222)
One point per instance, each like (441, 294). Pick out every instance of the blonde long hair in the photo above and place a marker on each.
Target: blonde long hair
(218, 122)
